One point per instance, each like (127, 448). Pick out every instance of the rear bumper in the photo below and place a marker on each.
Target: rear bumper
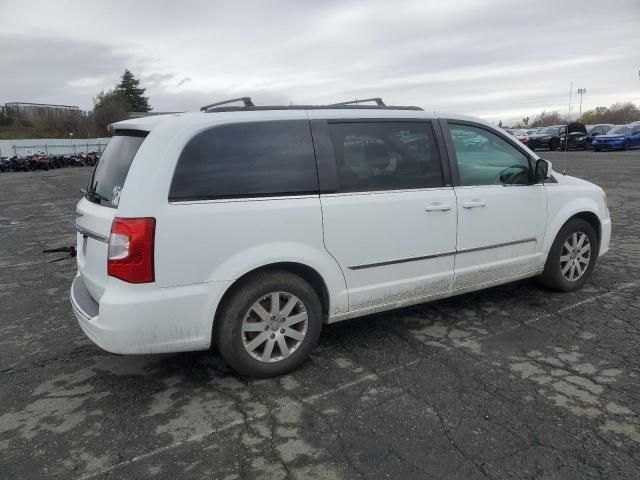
(84, 307)
(139, 319)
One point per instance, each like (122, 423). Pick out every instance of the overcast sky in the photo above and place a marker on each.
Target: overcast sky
(492, 58)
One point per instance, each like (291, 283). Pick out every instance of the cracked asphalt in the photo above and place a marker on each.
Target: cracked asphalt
(511, 382)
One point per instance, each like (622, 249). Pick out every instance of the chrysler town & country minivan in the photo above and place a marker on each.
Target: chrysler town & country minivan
(251, 227)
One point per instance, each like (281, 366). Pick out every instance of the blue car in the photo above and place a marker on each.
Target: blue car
(620, 137)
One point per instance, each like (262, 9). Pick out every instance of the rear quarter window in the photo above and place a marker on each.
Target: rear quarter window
(111, 171)
(247, 160)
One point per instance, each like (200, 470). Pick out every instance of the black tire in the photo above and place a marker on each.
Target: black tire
(553, 145)
(552, 276)
(625, 145)
(228, 335)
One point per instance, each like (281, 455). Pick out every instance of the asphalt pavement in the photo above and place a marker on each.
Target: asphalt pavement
(511, 382)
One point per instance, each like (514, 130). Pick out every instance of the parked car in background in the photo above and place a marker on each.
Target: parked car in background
(546, 137)
(596, 130)
(620, 137)
(522, 136)
(574, 137)
(600, 129)
(250, 228)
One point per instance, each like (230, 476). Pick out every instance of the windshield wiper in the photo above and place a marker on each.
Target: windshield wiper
(94, 196)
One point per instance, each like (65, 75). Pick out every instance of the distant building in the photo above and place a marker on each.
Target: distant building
(32, 110)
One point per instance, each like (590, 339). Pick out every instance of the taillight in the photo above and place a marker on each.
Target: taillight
(131, 249)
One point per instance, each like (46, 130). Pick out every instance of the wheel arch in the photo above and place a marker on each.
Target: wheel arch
(560, 221)
(307, 273)
(592, 219)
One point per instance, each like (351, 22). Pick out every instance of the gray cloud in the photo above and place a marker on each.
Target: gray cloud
(53, 70)
(499, 59)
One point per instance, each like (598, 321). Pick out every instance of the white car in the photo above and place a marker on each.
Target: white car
(250, 227)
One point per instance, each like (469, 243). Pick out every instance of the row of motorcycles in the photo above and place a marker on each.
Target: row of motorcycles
(46, 162)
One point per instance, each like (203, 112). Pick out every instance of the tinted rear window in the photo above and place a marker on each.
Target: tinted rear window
(247, 160)
(111, 171)
(375, 156)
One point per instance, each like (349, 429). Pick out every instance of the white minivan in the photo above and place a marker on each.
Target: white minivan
(250, 227)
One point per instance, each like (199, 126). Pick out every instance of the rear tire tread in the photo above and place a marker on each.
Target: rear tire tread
(227, 334)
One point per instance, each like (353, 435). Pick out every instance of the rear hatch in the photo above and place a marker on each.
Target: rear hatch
(97, 209)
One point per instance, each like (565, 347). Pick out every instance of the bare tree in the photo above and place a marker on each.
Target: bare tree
(545, 119)
(618, 113)
(109, 107)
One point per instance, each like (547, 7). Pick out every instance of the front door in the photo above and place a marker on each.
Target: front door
(391, 224)
(501, 214)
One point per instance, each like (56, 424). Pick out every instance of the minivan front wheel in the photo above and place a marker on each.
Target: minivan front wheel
(572, 256)
(269, 325)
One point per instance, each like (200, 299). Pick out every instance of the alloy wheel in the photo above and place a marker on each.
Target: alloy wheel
(575, 256)
(274, 327)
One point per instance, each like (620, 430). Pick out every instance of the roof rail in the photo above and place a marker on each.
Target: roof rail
(246, 100)
(248, 105)
(378, 101)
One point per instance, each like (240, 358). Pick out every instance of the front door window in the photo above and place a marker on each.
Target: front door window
(486, 159)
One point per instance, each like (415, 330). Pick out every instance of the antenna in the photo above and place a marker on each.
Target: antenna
(566, 131)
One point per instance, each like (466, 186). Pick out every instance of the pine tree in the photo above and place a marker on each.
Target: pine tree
(132, 93)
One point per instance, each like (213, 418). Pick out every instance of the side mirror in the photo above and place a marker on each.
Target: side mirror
(541, 173)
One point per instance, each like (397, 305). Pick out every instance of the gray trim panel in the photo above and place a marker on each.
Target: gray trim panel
(401, 260)
(81, 300)
(497, 245)
(443, 254)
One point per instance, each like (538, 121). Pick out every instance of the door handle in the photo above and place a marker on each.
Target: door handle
(474, 203)
(438, 207)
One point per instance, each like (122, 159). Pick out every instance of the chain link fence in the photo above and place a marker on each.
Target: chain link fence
(24, 148)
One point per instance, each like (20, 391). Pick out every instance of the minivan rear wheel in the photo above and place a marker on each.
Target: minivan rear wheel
(269, 325)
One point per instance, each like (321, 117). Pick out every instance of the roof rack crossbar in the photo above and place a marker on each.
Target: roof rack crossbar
(378, 101)
(246, 100)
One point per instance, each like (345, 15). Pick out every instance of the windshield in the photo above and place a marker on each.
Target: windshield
(620, 129)
(549, 131)
(112, 168)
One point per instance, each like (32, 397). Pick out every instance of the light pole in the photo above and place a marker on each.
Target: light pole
(581, 92)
